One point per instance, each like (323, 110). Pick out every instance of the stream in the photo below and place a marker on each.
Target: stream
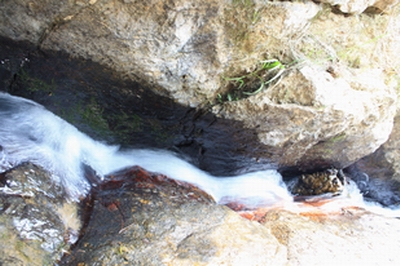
(30, 133)
(85, 124)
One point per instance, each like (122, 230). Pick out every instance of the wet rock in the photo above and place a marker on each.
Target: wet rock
(137, 217)
(37, 224)
(137, 178)
(152, 220)
(330, 181)
(378, 175)
(384, 163)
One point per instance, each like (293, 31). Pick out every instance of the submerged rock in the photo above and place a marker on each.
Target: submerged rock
(37, 224)
(331, 181)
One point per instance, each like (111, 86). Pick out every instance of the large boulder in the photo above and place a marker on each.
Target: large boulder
(312, 119)
(184, 49)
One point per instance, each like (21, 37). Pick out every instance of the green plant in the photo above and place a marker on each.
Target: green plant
(254, 82)
(337, 138)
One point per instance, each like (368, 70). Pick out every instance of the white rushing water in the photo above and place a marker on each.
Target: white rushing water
(30, 133)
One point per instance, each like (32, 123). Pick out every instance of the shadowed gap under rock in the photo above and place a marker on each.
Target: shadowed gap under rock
(100, 103)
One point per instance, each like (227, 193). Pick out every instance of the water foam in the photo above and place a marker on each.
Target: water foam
(30, 133)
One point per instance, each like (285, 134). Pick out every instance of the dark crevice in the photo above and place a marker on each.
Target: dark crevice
(100, 103)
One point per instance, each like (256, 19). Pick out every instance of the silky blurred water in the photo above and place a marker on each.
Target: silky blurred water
(31, 133)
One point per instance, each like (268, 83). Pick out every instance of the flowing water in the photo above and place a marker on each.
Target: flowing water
(29, 132)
